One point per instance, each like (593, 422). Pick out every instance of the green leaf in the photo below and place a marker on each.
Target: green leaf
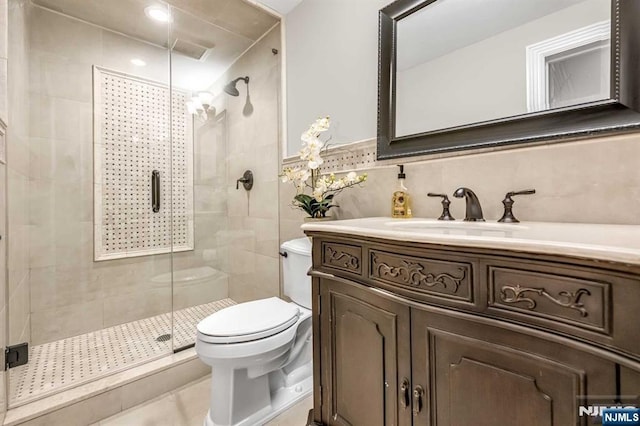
(303, 198)
(313, 207)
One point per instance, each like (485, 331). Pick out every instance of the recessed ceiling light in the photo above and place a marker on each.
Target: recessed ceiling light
(138, 62)
(158, 13)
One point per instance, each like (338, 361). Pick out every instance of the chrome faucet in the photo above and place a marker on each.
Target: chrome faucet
(474, 211)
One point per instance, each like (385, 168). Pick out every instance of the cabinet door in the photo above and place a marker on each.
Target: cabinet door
(630, 386)
(365, 345)
(480, 373)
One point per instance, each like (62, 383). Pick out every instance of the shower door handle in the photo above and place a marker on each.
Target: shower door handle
(155, 191)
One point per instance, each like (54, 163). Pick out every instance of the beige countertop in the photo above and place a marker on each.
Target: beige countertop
(616, 243)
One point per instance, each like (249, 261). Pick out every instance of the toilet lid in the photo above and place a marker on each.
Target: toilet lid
(249, 321)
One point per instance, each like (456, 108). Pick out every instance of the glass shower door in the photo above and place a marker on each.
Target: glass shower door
(199, 170)
(89, 166)
(225, 66)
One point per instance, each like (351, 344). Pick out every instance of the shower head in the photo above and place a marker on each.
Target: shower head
(231, 89)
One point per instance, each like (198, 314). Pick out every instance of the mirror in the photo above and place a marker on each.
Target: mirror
(457, 74)
(499, 58)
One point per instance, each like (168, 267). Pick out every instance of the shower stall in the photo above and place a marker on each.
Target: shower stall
(125, 227)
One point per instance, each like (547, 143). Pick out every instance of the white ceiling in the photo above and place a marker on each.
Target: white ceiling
(226, 27)
(281, 6)
(448, 25)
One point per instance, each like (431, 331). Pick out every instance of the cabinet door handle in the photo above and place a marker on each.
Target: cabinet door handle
(405, 388)
(418, 392)
(155, 191)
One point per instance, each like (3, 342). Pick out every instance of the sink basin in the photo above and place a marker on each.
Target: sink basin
(459, 227)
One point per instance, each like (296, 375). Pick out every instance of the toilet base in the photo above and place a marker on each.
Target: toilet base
(281, 400)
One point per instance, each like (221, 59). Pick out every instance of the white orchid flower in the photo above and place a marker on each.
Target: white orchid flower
(315, 162)
(288, 174)
(317, 127)
(321, 125)
(314, 144)
(308, 175)
(318, 194)
(303, 175)
(339, 184)
(320, 188)
(308, 136)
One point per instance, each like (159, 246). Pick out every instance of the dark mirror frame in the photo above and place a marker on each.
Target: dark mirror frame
(621, 113)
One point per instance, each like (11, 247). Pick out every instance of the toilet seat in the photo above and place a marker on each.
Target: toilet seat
(248, 321)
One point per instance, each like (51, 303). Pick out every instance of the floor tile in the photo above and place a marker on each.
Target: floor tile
(69, 362)
(188, 406)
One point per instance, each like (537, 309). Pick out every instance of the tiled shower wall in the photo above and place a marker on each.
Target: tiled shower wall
(253, 143)
(56, 289)
(18, 172)
(4, 56)
(131, 141)
(70, 293)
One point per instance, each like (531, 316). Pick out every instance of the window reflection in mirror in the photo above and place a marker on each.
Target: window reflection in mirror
(463, 62)
(578, 75)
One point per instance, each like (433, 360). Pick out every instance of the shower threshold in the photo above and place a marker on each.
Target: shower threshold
(70, 362)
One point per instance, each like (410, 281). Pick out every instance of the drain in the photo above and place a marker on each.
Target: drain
(163, 338)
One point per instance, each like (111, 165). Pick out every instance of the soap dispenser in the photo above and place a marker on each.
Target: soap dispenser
(401, 200)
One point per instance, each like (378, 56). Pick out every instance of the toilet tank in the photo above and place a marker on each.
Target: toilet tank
(295, 265)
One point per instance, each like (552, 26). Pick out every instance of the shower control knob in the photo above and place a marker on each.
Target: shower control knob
(246, 179)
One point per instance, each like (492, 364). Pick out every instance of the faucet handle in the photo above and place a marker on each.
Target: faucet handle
(524, 192)
(508, 216)
(445, 206)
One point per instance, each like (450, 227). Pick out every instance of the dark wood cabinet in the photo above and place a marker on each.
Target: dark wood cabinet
(415, 334)
(485, 375)
(366, 356)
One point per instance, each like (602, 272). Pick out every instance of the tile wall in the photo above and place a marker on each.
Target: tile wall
(17, 172)
(4, 55)
(70, 293)
(253, 143)
(590, 181)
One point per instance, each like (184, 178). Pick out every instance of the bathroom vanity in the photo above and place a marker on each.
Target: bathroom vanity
(429, 323)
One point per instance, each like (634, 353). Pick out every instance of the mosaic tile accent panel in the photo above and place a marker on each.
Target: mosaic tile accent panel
(342, 158)
(132, 118)
(76, 360)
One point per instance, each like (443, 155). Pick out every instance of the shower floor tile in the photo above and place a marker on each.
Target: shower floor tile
(69, 362)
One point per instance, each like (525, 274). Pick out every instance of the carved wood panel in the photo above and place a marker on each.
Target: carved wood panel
(343, 257)
(575, 301)
(470, 364)
(451, 280)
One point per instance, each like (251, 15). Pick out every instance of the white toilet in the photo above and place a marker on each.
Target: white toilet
(260, 351)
